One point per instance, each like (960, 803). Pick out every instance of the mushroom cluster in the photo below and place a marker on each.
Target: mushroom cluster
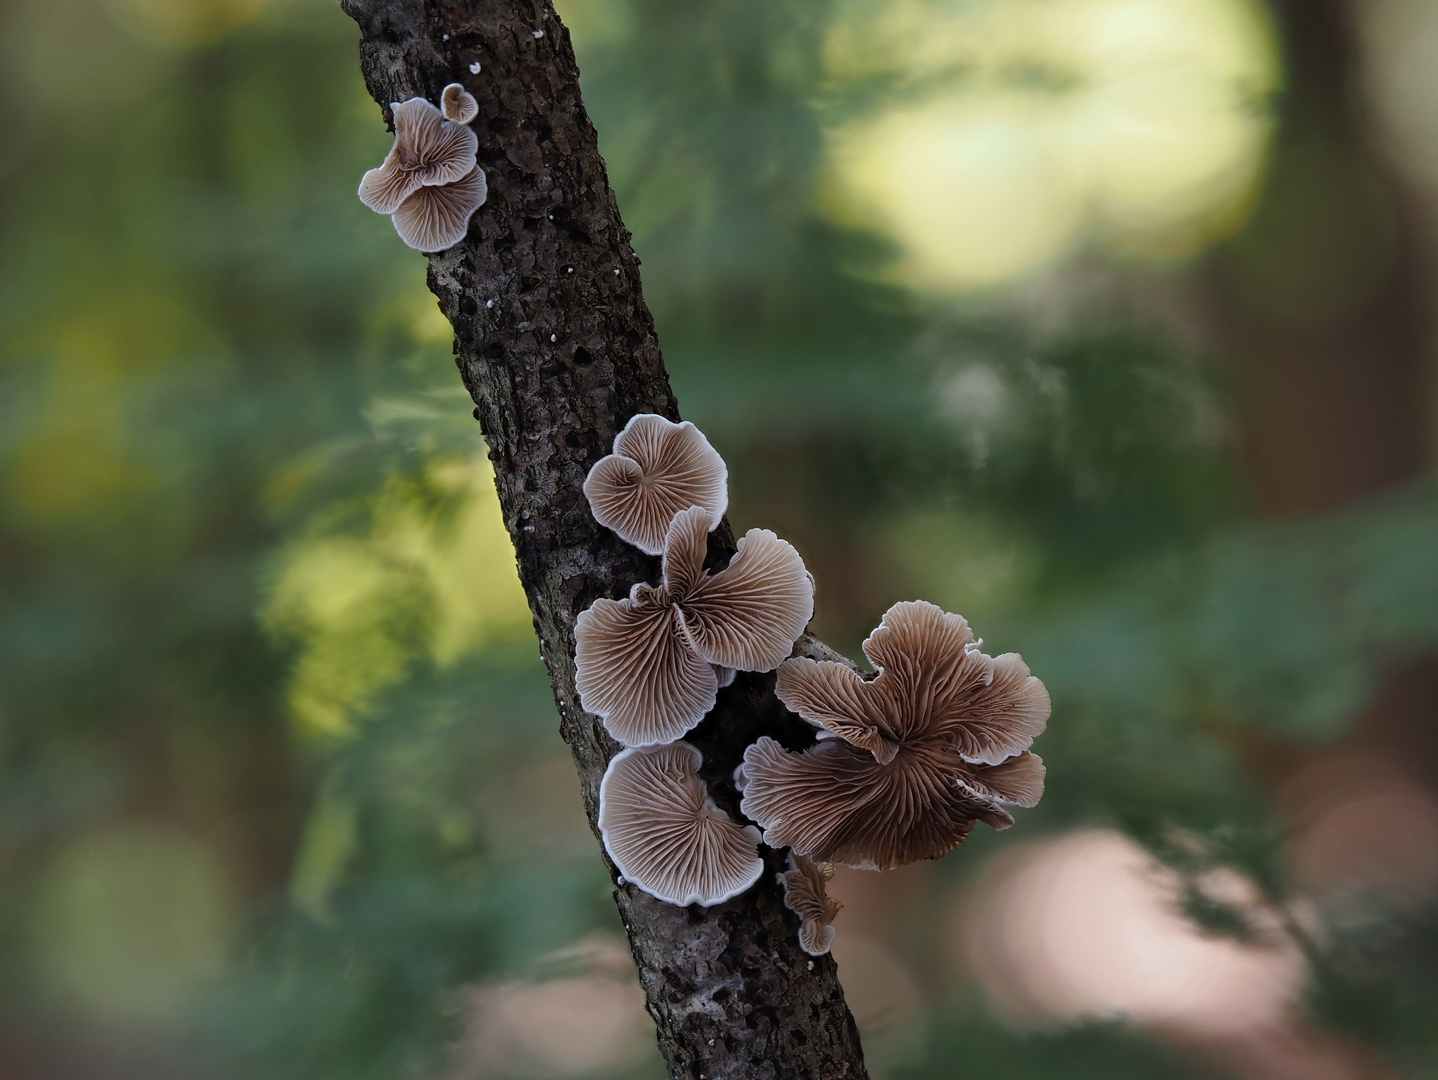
(430, 183)
(908, 761)
(650, 666)
(905, 761)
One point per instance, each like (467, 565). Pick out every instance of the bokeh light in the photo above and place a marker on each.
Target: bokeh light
(133, 921)
(1090, 927)
(1016, 131)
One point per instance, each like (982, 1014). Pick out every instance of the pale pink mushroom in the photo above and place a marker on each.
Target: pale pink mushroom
(658, 468)
(646, 665)
(458, 104)
(907, 761)
(428, 151)
(435, 218)
(806, 894)
(665, 833)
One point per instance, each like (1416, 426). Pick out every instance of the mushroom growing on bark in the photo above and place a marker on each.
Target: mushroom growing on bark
(430, 180)
(805, 893)
(658, 468)
(435, 218)
(906, 761)
(651, 665)
(665, 833)
(458, 104)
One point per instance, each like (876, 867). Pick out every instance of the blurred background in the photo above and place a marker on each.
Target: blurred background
(1106, 323)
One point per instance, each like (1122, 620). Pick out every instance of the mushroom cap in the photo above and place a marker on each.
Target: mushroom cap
(805, 893)
(436, 218)
(428, 151)
(665, 833)
(458, 104)
(748, 615)
(933, 683)
(635, 672)
(657, 469)
(836, 803)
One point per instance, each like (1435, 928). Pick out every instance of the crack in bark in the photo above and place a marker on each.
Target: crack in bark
(558, 350)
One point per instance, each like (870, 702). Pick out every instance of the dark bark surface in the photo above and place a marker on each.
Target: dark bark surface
(558, 350)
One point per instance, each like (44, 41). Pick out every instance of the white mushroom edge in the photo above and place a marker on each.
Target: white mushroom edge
(665, 833)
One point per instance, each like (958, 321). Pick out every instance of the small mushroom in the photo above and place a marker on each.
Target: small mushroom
(646, 665)
(658, 468)
(435, 218)
(666, 835)
(428, 151)
(907, 762)
(805, 893)
(458, 104)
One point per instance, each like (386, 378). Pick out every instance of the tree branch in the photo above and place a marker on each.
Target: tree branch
(558, 350)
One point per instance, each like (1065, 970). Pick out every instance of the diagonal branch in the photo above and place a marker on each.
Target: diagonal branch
(557, 348)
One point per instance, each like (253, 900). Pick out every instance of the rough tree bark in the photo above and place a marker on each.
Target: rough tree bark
(558, 350)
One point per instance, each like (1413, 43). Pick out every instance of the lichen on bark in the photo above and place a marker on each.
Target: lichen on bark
(558, 350)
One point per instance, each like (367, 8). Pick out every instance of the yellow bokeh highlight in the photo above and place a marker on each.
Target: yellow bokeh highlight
(1009, 132)
(433, 578)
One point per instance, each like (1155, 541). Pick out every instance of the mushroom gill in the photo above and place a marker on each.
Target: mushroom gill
(428, 151)
(657, 469)
(458, 104)
(908, 761)
(650, 665)
(805, 893)
(933, 682)
(666, 835)
(435, 218)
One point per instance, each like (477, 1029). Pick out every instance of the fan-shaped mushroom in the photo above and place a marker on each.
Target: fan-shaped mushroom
(458, 104)
(805, 893)
(907, 761)
(646, 665)
(435, 218)
(428, 151)
(657, 469)
(665, 833)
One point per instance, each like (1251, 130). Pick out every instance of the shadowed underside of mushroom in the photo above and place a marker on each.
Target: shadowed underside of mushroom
(805, 893)
(428, 151)
(657, 469)
(834, 802)
(650, 665)
(665, 833)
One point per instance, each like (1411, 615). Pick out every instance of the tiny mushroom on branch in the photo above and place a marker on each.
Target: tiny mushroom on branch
(458, 104)
(906, 761)
(805, 893)
(430, 181)
(658, 468)
(651, 665)
(665, 833)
